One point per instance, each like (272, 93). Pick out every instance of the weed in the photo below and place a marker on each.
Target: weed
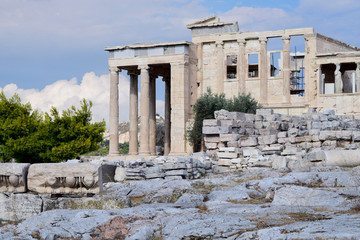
(306, 217)
(202, 208)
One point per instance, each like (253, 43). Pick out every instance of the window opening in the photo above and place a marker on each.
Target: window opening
(231, 66)
(348, 77)
(328, 78)
(297, 81)
(253, 65)
(275, 58)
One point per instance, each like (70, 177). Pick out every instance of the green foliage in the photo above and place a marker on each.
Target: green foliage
(104, 149)
(208, 103)
(31, 137)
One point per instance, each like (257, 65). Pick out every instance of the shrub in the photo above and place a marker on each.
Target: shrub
(28, 136)
(208, 103)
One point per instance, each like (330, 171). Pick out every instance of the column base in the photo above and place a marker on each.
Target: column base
(144, 154)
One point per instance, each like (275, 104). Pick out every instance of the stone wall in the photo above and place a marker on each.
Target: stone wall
(240, 140)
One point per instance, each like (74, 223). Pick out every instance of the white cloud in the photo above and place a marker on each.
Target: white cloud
(260, 19)
(63, 94)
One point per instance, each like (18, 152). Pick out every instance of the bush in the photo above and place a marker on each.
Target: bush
(208, 103)
(28, 136)
(104, 149)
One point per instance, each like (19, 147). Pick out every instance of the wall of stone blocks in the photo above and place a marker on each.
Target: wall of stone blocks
(233, 138)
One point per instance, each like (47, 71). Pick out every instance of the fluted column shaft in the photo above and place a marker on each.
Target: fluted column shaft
(144, 110)
(114, 111)
(152, 116)
(167, 117)
(133, 115)
(286, 69)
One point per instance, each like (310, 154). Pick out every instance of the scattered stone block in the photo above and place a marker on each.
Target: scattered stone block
(238, 116)
(173, 166)
(210, 145)
(229, 137)
(13, 177)
(227, 155)
(211, 122)
(182, 173)
(227, 149)
(222, 114)
(328, 112)
(248, 141)
(327, 135)
(212, 138)
(282, 135)
(249, 117)
(233, 144)
(64, 178)
(264, 111)
(120, 174)
(267, 139)
(224, 162)
(210, 130)
(267, 131)
(226, 122)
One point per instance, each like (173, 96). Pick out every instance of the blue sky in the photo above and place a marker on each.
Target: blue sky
(52, 51)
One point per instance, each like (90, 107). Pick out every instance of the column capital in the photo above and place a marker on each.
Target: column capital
(133, 72)
(143, 67)
(114, 69)
(219, 44)
(241, 41)
(263, 40)
(308, 36)
(285, 38)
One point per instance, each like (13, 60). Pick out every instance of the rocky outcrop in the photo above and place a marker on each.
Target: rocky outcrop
(252, 204)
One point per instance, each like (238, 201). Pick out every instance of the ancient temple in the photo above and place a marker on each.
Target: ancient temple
(325, 75)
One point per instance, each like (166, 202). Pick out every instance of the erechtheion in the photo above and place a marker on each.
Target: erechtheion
(326, 75)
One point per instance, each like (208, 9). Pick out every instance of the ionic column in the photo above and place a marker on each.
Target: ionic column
(241, 66)
(114, 111)
(286, 69)
(263, 71)
(144, 110)
(338, 80)
(167, 117)
(152, 116)
(220, 67)
(357, 77)
(133, 115)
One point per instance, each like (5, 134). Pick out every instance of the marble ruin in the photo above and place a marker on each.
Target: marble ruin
(13, 177)
(64, 178)
(268, 139)
(326, 75)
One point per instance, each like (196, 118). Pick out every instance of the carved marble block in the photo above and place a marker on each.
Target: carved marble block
(13, 177)
(65, 178)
